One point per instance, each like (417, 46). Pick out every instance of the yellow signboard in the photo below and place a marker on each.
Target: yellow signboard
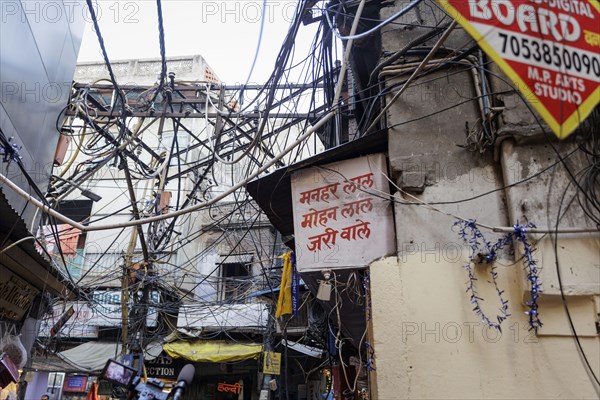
(272, 363)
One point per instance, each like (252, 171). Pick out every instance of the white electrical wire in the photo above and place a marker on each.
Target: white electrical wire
(422, 65)
(361, 35)
(89, 228)
(260, 36)
(239, 185)
(10, 246)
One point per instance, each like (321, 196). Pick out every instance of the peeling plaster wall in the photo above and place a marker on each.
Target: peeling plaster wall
(430, 345)
(540, 199)
(428, 341)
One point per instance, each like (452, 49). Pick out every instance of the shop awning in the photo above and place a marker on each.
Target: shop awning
(236, 258)
(240, 317)
(213, 350)
(21, 257)
(92, 356)
(302, 348)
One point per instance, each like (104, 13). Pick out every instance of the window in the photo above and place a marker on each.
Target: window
(55, 383)
(234, 281)
(72, 240)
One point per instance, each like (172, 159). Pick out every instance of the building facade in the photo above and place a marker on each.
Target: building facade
(429, 342)
(39, 43)
(493, 290)
(203, 268)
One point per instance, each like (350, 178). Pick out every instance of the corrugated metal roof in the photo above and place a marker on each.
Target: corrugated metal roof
(236, 259)
(24, 260)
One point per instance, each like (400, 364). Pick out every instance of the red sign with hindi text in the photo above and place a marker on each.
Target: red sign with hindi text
(550, 49)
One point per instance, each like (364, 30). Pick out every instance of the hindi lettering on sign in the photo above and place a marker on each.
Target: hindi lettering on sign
(592, 38)
(327, 238)
(326, 215)
(229, 387)
(319, 216)
(319, 194)
(236, 388)
(360, 230)
(339, 219)
(365, 180)
(327, 191)
(357, 207)
(309, 220)
(362, 181)
(305, 197)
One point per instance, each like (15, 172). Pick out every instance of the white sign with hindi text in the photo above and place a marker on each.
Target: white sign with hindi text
(342, 214)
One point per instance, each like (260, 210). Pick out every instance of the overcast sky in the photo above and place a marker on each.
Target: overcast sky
(224, 32)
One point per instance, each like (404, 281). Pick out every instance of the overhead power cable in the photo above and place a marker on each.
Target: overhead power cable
(259, 41)
(161, 41)
(105, 54)
(196, 207)
(362, 35)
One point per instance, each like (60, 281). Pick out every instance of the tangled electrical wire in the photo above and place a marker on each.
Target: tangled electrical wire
(143, 150)
(138, 142)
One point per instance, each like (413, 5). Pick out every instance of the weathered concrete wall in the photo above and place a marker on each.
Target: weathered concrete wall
(540, 200)
(147, 71)
(428, 341)
(429, 344)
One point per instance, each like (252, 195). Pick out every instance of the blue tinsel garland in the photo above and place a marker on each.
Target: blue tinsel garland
(532, 275)
(11, 151)
(366, 286)
(370, 362)
(482, 250)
